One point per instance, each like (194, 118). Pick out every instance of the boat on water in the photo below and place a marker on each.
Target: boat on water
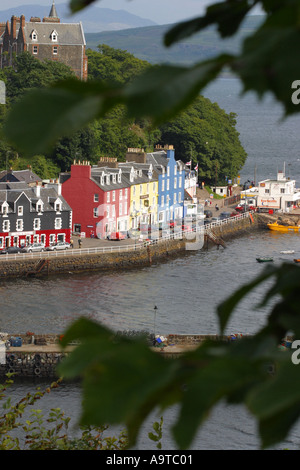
(297, 260)
(264, 260)
(287, 252)
(283, 228)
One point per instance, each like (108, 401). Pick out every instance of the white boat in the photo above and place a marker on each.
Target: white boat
(287, 252)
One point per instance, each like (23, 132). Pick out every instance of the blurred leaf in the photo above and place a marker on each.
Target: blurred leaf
(122, 379)
(77, 5)
(276, 403)
(158, 93)
(227, 15)
(66, 108)
(225, 309)
(162, 91)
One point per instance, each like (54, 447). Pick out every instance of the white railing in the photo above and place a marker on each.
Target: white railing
(138, 245)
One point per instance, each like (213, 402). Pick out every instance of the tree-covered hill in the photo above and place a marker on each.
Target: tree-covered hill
(146, 43)
(203, 132)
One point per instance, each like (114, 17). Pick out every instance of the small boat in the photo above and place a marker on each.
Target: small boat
(287, 252)
(283, 228)
(264, 260)
(297, 260)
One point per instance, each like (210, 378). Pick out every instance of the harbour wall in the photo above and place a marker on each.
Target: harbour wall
(139, 257)
(39, 355)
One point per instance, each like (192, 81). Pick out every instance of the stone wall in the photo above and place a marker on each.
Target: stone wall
(33, 364)
(116, 260)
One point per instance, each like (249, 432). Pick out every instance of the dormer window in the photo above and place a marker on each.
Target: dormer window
(53, 36)
(34, 35)
(107, 179)
(119, 178)
(58, 206)
(39, 206)
(4, 208)
(114, 178)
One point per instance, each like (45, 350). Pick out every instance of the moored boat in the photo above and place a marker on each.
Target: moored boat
(297, 260)
(283, 228)
(264, 260)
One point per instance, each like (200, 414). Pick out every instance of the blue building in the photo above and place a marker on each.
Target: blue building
(171, 182)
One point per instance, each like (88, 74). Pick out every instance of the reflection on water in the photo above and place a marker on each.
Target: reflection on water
(185, 290)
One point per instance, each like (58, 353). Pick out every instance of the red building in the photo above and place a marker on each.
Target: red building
(99, 197)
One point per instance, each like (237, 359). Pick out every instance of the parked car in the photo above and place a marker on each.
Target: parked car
(59, 246)
(225, 215)
(10, 250)
(116, 236)
(33, 247)
(208, 214)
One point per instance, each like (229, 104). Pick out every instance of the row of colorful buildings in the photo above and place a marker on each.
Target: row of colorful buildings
(148, 189)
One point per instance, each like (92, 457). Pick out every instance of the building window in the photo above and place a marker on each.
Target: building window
(163, 185)
(168, 184)
(35, 49)
(19, 225)
(20, 210)
(108, 197)
(95, 211)
(53, 36)
(163, 201)
(168, 171)
(34, 35)
(96, 197)
(120, 209)
(114, 179)
(58, 223)
(4, 210)
(267, 191)
(121, 194)
(36, 224)
(114, 195)
(39, 208)
(58, 207)
(175, 183)
(6, 226)
(55, 50)
(126, 193)
(175, 198)
(282, 190)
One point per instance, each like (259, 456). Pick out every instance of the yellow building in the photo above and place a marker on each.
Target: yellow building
(143, 182)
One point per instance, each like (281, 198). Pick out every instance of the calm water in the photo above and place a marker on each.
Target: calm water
(186, 290)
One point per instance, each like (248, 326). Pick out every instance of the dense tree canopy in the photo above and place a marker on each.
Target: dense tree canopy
(204, 133)
(113, 133)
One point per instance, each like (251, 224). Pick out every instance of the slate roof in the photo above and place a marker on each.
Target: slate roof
(47, 195)
(19, 175)
(67, 33)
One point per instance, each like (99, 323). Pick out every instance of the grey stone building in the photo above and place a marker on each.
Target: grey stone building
(46, 39)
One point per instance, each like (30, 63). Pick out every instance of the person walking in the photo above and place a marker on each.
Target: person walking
(79, 242)
(72, 243)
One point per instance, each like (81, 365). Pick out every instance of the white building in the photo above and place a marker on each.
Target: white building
(279, 194)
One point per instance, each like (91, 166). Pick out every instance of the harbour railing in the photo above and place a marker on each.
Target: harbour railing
(136, 244)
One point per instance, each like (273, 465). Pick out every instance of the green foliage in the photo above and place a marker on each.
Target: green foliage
(206, 134)
(127, 378)
(156, 436)
(234, 372)
(113, 66)
(41, 432)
